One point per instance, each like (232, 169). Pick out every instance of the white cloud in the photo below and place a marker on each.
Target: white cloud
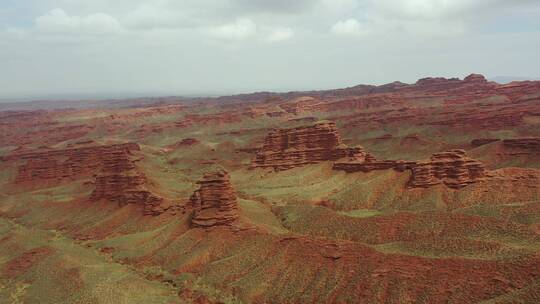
(338, 6)
(240, 29)
(348, 27)
(151, 16)
(426, 35)
(442, 16)
(281, 34)
(58, 21)
(431, 9)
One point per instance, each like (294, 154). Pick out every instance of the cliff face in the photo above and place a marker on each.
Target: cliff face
(288, 148)
(119, 181)
(453, 168)
(116, 178)
(516, 91)
(214, 203)
(65, 164)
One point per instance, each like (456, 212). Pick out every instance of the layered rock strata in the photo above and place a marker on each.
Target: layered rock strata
(214, 203)
(530, 144)
(119, 181)
(112, 167)
(453, 169)
(65, 164)
(289, 148)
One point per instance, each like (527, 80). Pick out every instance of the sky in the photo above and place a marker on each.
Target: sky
(211, 47)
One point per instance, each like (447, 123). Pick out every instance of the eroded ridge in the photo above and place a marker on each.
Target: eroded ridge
(289, 148)
(67, 163)
(453, 169)
(119, 181)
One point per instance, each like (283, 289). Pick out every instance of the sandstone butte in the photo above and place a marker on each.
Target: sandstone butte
(214, 203)
(453, 169)
(284, 149)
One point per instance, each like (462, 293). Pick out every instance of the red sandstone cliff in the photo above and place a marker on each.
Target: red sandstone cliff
(116, 177)
(288, 148)
(453, 169)
(65, 164)
(119, 181)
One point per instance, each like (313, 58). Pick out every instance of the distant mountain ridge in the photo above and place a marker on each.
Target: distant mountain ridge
(361, 89)
(508, 79)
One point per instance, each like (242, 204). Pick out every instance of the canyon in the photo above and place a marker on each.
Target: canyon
(397, 193)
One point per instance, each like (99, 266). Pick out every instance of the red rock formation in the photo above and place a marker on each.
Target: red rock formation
(439, 82)
(214, 203)
(288, 148)
(475, 79)
(123, 188)
(120, 182)
(518, 89)
(530, 144)
(64, 164)
(126, 188)
(300, 105)
(453, 168)
(116, 177)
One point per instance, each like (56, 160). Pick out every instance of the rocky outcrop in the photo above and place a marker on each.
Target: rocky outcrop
(453, 169)
(453, 90)
(112, 167)
(475, 79)
(57, 165)
(438, 82)
(120, 182)
(289, 148)
(125, 188)
(519, 90)
(214, 203)
(529, 144)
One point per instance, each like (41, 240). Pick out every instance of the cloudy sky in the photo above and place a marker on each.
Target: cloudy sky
(163, 47)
